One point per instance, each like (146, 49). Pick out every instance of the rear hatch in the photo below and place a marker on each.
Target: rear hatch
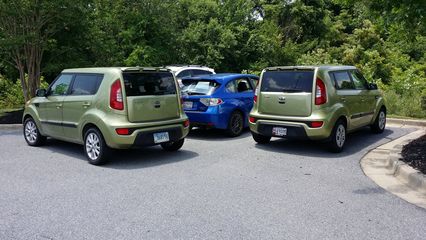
(197, 94)
(286, 92)
(151, 96)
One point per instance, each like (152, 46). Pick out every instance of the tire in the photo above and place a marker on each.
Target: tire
(95, 147)
(32, 134)
(338, 137)
(235, 124)
(379, 124)
(173, 146)
(260, 139)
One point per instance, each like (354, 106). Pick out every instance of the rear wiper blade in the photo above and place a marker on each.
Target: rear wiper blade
(292, 90)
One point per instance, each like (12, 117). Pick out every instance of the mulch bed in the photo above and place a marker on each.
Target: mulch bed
(11, 117)
(414, 154)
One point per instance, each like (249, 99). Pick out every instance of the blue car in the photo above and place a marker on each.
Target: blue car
(220, 101)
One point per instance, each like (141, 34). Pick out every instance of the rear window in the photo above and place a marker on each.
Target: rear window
(199, 87)
(287, 81)
(149, 83)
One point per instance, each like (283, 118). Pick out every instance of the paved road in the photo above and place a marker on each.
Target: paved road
(215, 188)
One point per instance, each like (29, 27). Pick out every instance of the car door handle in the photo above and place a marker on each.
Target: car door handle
(85, 105)
(58, 105)
(343, 99)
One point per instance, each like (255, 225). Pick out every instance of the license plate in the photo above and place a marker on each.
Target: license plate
(279, 131)
(161, 137)
(187, 105)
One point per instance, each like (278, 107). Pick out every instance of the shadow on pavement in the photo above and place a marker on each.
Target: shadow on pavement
(215, 134)
(124, 159)
(355, 143)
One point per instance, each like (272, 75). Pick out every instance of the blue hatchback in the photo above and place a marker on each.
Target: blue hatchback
(220, 101)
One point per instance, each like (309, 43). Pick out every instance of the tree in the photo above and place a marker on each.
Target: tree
(26, 30)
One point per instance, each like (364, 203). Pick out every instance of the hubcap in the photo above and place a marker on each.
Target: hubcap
(340, 135)
(93, 147)
(382, 120)
(236, 123)
(31, 132)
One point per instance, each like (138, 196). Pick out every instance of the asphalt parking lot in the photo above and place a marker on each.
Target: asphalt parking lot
(214, 188)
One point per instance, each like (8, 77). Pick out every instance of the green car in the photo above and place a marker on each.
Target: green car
(103, 108)
(315, 102)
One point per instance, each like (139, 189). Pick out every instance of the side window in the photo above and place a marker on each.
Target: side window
(86, 84)
(359, 81)
(243, 85)
(231, 87)
(61, 85)
(197, 72)
(184, 73)
(343, 80)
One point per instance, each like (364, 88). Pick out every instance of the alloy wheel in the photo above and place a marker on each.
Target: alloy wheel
(93, 146)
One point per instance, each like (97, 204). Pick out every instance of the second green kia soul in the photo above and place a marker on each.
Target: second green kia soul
(315, 102)
(105, 108)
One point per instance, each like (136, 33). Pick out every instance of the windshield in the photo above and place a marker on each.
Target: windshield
(149, 83)
(201, 87)
(287, 81)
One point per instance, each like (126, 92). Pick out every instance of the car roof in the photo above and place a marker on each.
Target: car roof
(220, 78)
(113, 69)
(179, 67)
(320, 67)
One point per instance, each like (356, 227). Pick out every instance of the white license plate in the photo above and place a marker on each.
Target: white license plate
(187, 105)
(161, 137)
(279, 131)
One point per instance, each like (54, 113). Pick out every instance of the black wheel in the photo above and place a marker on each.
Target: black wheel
(380, 122)
(32, 134)
(260, 138)
(173, 146)
(95, 147)
(338, 137)
(235, 124)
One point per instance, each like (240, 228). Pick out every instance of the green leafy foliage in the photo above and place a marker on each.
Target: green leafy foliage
(386, 39)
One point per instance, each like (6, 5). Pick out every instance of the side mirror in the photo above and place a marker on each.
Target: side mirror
(41, 92)
(372, 86)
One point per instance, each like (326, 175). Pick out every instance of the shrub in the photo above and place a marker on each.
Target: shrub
(11, 95)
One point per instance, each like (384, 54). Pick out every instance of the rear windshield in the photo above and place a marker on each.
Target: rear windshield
(199, 87)
(287, 81)
(149, 83)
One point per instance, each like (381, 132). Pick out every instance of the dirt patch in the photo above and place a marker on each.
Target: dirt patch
(414, 154)
(11, 117)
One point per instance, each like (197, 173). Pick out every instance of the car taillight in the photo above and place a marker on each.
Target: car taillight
(316, 124)
(122, 131)
(320, 92)
(255, 95)
(211, 101)
(186, 123)
(252, 120)
(116, 96)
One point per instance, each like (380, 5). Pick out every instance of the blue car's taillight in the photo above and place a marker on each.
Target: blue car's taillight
(211, 101)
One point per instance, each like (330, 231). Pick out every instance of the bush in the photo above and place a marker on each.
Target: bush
(408, 105)
(11, 94)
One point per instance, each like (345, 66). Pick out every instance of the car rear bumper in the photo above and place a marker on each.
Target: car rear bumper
(210, 118)
(295, 129)
(140, 134)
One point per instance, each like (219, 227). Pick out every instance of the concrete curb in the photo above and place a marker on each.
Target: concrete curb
(384, 167)
(409, 122)
(10, 126)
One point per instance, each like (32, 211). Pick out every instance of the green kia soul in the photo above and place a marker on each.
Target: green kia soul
(105, 108)
(315, 102)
